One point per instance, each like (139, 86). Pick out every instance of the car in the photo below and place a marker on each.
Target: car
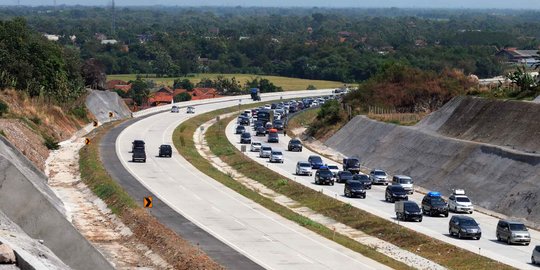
(265, 151)
(434, 205)
(138, 155)
(273, 137)
(190, 109)
(278, 124)
(459, 202)
(260, 131)
(295, 145)
(243, 120)
(535, 257)
(255, 146)
(354, 189)
(513, 232)
(324, 176)
(245, 138)
(344, 176)
(378, 176)
(276, 156)
(464, 227)
(351, 164)
(303, 168)
(137, 144)
(408, 210)
(175, 109)
(364, 178)
(240, 129)
(165, 150)
(334, 169)
(315, 161)
(395, 193)
(405, 181)
(268, 126)
(257, 124)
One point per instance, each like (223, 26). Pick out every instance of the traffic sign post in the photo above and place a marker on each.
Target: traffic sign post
(148, 202)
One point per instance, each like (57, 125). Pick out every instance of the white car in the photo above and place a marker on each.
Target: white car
(303, 168)
(276, 156)
(190, 109)
(378, 176)
(459, 202)
(334, 169)
(175, 109)
(256, 146)
(265, 151)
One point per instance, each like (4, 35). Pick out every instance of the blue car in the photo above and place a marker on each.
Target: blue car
(315, 161)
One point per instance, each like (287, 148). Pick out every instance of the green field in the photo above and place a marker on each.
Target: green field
(286, 83)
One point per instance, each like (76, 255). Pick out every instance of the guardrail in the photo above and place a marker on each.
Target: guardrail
(247, 98)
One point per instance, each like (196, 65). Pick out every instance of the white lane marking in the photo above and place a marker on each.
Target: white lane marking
(197, 197)
(182, 187)
(304, 258)
(237, 221)
(268, 238)
(215, 209)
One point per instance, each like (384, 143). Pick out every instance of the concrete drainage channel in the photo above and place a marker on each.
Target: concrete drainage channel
(379, 245)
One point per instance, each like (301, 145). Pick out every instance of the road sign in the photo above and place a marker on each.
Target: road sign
(111, 114)
(86, 141)
(95, 123)
(148, 202)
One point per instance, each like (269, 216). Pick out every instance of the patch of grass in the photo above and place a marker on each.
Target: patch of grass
(2, 132)
(80, 112)
(302, 119)
(285, 82)
(4, 108)
(429, 248)
(183, 141)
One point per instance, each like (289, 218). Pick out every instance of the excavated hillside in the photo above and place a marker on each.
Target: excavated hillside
(483, 146)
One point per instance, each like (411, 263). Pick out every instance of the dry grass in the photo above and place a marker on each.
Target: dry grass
(288, 84)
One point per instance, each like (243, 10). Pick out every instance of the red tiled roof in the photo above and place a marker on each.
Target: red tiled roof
(204, 93)
(165, 89)
(160, 97)
(124, 88)
(179, 91)
(112, 83)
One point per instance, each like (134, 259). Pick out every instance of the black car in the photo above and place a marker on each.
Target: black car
(243, 120)
(434, 205)
(273, 137)
(315, 161)
(295, 145)
(245, 138)
(344, 176)
(257, 124)
(137, 144)
(278, 124)
(240, 129)
(138, 155)
(395, 193)
(165, 150)
(260, 131)
(324, 176)
(464, 227)
(354, 189)
(408, 210)
(364, 178)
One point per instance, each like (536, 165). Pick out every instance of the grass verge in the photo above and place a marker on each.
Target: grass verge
(435, 250)
(183, 140)
(178, 252)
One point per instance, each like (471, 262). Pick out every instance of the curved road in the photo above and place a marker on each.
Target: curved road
(257, 233)
(436, 227)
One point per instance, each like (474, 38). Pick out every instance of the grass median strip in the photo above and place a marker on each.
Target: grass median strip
(435, 250)
(183, 140)
(178, 252)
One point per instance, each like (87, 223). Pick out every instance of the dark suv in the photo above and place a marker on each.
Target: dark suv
(395, 193)
(165, 150)
(364, 178)
(464, 227)
(324, 176)
(344, 176)
(240, 129)
(138, 155)
(295, 145)
(245, 137)
(433, 204)
(354, 189)
(315, 161)
(273, 137)
(137, 144)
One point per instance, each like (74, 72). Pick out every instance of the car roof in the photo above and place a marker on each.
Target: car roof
(463, 217)
(303, 162)
(402, 176)
(256, 143)
(512, 222)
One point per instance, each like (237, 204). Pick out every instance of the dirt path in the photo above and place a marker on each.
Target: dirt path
(90, 215)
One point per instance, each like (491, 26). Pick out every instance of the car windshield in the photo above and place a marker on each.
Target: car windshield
(397, 189)
(240, 127)
(517, 227)
(333, 167)
(325, 173)
(462, 199)
(278, 122)
(410, 207)
(276, 153)
(468, 222)
(256, 143)
(379, 173)
(353, 162)
(246, 135)
(294, 142)
(360, 177)
(316, 159)
(437, 201)
(272, 135)
(355, 184)
(346, 174)
(304, 164)
(264, 148)
(405, 181)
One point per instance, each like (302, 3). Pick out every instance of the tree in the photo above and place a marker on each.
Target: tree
(183, 84)
(93, 73)
(182, 97)
(139, 91)
(523, 79)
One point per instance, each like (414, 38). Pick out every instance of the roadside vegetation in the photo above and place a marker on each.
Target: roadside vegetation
(176, 251)
(183, 141)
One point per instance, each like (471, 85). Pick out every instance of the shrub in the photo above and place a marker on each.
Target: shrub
(51, 143)
(182, 97)
(79, 112)
(4, 108)
(311, 87)
(36, 120)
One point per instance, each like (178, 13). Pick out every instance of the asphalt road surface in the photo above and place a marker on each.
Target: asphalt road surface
(437, 227)
(259, 234)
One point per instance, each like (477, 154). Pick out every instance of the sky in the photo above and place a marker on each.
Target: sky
(484, 4)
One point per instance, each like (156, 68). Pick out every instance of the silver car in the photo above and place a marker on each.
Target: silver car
(513, 232)
(255, 147)
(535, 257)
(378, 176)
(276, 156)
(303, 168)
(265, 151)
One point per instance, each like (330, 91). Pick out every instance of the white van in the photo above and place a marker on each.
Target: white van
(405, 181)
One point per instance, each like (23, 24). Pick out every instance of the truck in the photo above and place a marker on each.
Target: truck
(255, 94)
(351, 164)
(408, 210)
(265, 116)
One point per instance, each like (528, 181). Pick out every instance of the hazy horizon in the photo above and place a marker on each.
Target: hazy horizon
(457, 4)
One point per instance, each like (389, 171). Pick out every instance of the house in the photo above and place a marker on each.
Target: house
(159, 98)
(109, 41)
(513, 55)
(51, 37)
(420, 43)
(118, 85)
(203, 93)
(100, 36)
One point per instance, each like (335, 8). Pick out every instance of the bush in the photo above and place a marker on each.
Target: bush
(311, 87)
(79, 112)
(36, 120)
(51, 143)
(4, 108)
(182, 97)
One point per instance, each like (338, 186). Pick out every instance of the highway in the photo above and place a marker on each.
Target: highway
(436, 227)
(264, 237)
